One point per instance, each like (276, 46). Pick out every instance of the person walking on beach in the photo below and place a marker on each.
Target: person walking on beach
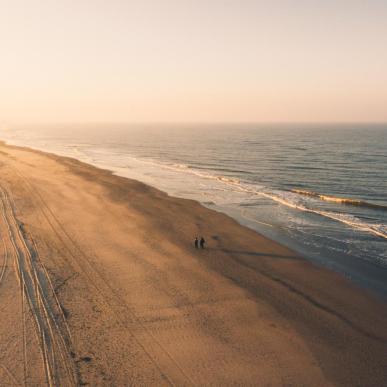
(196, 243)
(202, 242)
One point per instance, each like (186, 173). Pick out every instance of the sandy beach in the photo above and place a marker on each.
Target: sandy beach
(100, 285)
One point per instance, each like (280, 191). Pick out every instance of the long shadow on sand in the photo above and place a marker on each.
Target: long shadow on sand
(255, 290)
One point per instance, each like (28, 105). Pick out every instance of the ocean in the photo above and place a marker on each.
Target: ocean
(319, 189)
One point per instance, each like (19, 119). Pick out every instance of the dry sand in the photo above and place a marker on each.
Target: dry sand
(100, 285)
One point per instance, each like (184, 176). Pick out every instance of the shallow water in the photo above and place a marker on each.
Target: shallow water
(321, 190)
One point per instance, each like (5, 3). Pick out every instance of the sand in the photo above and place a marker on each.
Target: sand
(100, 285)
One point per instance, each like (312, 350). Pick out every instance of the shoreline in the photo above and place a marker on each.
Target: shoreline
(245, 309)
(354, 270)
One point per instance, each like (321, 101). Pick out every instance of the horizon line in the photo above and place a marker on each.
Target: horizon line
(199, 122)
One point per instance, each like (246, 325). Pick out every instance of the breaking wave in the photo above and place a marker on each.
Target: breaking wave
(349, 201)
(347, 219)
(285, 198)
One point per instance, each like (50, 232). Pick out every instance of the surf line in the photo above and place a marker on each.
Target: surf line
(359, 226)
(349, 201)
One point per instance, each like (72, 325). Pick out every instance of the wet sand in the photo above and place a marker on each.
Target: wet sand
(100, 285)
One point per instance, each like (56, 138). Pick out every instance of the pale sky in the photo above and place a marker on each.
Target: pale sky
(196, 60)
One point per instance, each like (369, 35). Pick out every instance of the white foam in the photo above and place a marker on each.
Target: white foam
(292, 200)
(86, 152)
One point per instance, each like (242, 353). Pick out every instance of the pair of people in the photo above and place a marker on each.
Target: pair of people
(200, 242)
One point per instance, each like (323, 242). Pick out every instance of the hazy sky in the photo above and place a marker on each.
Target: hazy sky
(192, 60)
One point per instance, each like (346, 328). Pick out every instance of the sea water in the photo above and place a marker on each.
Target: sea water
(319, 189)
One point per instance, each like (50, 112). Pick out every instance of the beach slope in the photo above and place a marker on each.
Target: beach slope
(100, 284)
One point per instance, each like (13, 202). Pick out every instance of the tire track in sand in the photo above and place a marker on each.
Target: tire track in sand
(167, 365)
(10, 376)
(22, 297)
(36, 289)
(5, 261)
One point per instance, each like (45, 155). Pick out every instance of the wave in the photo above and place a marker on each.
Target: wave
(379, 230)
(188, 169)
(349, 201)
(279, 197)
(350, 220)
